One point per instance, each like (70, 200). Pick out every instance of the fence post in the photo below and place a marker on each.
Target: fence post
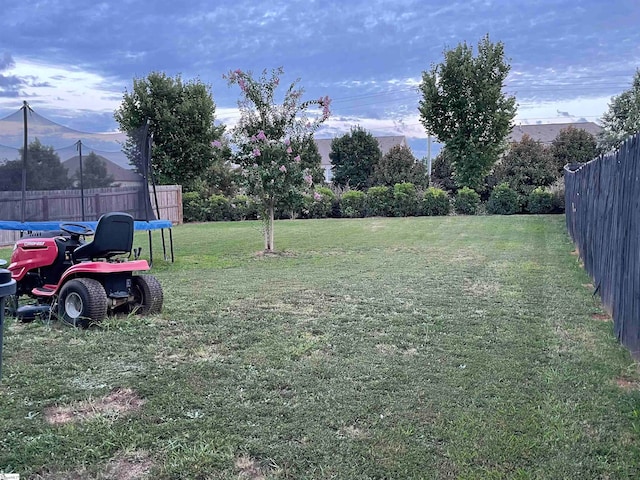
(7, 287)
(45, 208)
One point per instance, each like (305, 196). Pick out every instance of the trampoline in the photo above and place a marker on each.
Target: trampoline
(36, 229)
(51, 174)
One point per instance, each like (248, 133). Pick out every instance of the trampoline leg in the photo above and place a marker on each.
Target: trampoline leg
(171, 243)
(164, 247)
(150, 249)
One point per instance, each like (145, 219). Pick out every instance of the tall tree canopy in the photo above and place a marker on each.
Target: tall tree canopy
(623, 117)
(44, 170)
(353, 157)
(94, 172)
(464, 106)
(573, 145)
(529, 164)
(269, 140)
(399, 165)
(181, 120)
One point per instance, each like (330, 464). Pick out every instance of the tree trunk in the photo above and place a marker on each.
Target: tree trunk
(268, 229)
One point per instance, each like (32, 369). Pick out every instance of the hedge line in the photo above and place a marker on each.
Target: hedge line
(403, 200)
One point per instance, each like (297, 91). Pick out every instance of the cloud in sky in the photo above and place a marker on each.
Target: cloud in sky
(72, 60)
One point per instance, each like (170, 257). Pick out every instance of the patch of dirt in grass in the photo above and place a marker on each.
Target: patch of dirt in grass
(626, 384)
(588, 286)
(481, 289)
(265, 254)
(121, 401)
(464, 256)
(134, 466)
(603, 317)
(575, 253)
(386, 349)
(250, 468)
(352, 432)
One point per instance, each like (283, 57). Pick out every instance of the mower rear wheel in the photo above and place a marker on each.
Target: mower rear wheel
(82, 301)
(147, 294)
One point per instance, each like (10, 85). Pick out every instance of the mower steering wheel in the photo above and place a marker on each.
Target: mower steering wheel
(76, 229)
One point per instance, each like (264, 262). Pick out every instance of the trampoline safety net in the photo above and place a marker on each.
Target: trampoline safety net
(49, 172)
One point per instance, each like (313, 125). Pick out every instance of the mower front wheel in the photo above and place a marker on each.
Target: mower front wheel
(82, 301)
(147, 295)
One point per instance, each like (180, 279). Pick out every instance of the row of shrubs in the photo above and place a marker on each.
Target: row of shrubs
(402, 200)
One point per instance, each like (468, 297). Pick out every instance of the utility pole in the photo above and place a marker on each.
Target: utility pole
(429, 156)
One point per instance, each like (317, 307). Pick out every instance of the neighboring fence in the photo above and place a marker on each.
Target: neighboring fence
(169, 202)
(66, 205)
(603, 218)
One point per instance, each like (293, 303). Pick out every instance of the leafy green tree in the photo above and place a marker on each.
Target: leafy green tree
(399, 165)
(464, 106)
(265, 137)
(44, 170)
(573, 145)
(181, 121)
(94, 173)
(623, 117)
(442, 171)
(529, 164)
(353, 157)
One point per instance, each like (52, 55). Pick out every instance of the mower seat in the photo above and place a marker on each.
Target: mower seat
(113, 236)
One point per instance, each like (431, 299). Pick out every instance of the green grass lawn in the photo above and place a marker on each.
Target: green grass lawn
(456, 347)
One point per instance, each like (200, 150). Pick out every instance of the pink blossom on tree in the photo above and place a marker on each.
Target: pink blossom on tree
(283, 169)
(261, 135)
(317, 196)
(297, 159)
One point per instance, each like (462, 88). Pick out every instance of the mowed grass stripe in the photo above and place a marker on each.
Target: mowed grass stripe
(457, 347)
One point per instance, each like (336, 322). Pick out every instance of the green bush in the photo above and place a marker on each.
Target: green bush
(466, 201)
(540, 201)
(353, 204)
(503, 201)
(241, 207)
(218, 208)
(557, 190)
(435, 202)
(319, 204)
(379, 201)
(194, 207)
(405, 200)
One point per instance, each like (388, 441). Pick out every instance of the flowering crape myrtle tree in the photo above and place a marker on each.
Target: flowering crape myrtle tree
(264, 137)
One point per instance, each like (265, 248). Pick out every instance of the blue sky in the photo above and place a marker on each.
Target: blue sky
(72, 60)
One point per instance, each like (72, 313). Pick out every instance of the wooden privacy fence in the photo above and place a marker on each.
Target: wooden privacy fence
(603, 218)
(66, 205)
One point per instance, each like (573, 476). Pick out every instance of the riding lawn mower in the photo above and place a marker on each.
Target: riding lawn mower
(80, 281)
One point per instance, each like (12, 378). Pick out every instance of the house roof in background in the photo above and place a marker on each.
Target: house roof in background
(546, 133)
(386, 143)
(119, 174)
